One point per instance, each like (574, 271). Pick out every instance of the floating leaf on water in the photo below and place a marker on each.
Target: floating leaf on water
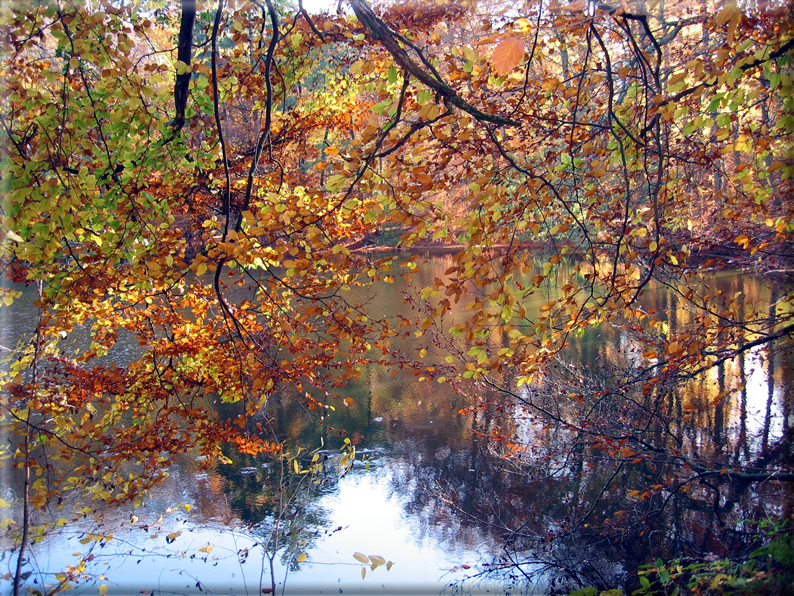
(361, 558)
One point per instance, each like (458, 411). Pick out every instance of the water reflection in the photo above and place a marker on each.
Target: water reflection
(497, 493)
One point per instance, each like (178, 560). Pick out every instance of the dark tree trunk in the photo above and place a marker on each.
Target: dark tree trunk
(184, 49)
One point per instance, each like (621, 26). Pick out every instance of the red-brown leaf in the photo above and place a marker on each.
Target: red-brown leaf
(507, 55)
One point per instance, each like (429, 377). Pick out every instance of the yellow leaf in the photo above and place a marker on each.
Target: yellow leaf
(103, 589)
(388, 565)
(363, 572)
(361, 558)
(507, 55)
(729, 11)
(182, 68)
(207, 549)
(335, 182)
(302, 557)
(4, 503)
(377, 559)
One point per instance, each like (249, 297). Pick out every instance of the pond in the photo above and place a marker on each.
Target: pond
(447, 491)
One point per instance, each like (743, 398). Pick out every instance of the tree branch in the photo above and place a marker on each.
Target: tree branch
(380, 31)
(744, 67)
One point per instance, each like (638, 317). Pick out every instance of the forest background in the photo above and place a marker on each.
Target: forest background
(156, 157)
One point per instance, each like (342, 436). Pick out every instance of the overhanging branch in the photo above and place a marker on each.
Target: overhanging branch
(380, 31)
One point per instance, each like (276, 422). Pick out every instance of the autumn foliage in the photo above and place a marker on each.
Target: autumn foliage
(641, 144)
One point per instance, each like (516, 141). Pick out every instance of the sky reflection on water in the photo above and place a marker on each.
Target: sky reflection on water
(437, 498)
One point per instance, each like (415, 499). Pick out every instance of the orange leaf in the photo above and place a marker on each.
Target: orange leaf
(507, 55)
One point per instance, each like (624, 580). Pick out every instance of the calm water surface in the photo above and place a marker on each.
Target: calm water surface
(427, 491)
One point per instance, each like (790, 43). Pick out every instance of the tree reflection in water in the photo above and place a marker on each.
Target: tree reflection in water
(577, 478)
(573, 497)
(559, 505)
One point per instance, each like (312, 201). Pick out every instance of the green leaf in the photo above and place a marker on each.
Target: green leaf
(335, 182)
